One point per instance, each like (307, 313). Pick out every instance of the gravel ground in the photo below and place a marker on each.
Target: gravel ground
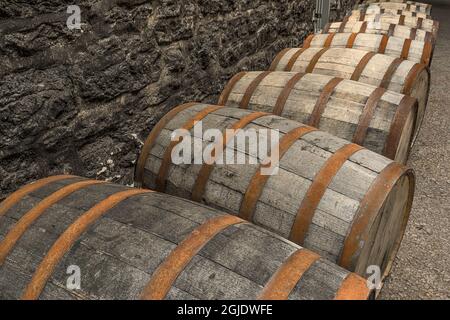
(422, 268)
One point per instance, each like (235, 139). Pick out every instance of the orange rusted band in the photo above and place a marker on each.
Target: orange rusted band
(353, 287)
(362, 65)
(412, 77)
(307, 42)
(321, 103)
(383, 44)
(401, 21)
(251, 89)
(351, 40)
(314, 60)
(367, 115)
(406, 48)
(151, 140)
(343, 24)
(276, 61)
(258, 182)
(293, 59)
(413, 34)
(429, 37)
(31, 216)
(206, 169)
(427, 53)
(407, 106)
(167, 158)
(317, 189)
(363, 27)
(167, 273)
(329, 40)
(68, 238)
(369, 208)
(225, 95)
(14, 198)
(419, 23)
(288, 275)
(285, 93)
(391, 30)
(386, 81)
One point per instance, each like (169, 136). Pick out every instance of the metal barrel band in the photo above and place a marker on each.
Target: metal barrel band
(427, 53)
(383, 44)
(326, 29)
(166, 274)
(15, 197)
(362, 65)
(315, 59)
(317, 189)
(412, 77)
(391, 30)
(351, 40)
(367, 115)
(413, 34)
(293, 59)
(278, 58)
(167, 158)
(285, 93)
(321, 103)
(251, 89)
(369, 208)
(406, 48)
(65, 242)
(29, 218)
(407, 105)
(419, 23)
(343, 24)
(151, 140)
(307, 42)
(353, 287)
(206, 169)
(284, 280)
(225, 95)
(363, 27)
(329, 40)
(258, 182)
(401, 20)
(387, 78)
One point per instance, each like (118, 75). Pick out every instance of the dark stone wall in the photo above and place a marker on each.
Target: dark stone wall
(82, 101)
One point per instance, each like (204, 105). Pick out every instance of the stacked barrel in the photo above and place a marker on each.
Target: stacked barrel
(347, 105)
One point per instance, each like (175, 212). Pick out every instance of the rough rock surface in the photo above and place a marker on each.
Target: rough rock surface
(81, 101)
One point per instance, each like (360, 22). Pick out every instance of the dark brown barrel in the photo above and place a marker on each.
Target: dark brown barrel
(380, 120)
(344, 202)
(138, 244)
(395, 74)
(409, 21)
(414, 50)
(383, 28)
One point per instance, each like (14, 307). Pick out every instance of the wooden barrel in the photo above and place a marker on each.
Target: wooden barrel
(392, 3)
(395, 7)
(395, 74)
(344, 202)
(380, 120)
(402, 20)
(414, 50)
(383, 28)
(138, 244)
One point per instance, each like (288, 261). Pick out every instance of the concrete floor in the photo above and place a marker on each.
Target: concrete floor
(422, 269)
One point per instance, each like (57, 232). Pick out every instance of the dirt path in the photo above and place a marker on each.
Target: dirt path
(422, 269)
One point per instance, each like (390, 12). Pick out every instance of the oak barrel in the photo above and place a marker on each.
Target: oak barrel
(414, 50)
(138, 244)
(373, 10)
(413, 22)
(394, 7)
(395, 74)
(384, 28)
(344, 202)
(426, 7)
(380, 120)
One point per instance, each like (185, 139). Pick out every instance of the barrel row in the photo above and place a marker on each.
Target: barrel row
(398, 5)
(380, 120)
(414, 50)
(377, 10)
(336, 198)
(139, 244)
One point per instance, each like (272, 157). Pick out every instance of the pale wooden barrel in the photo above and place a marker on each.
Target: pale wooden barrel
(412, 22)
(384, 28)
(414, 50)
(395, 74)
(380, 120)
(392, 3)
(137, 244)
(393, 7)
(346, 203)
